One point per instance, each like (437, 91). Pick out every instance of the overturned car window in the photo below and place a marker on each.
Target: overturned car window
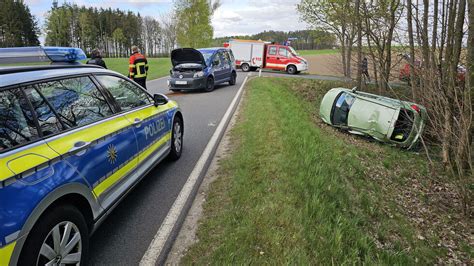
(403, 125)
(341, 109)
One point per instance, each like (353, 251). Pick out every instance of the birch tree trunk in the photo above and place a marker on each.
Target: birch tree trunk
(359, 44)
(411, 60)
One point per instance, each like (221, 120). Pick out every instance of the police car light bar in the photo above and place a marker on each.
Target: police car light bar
(64, 54)
(41, 54)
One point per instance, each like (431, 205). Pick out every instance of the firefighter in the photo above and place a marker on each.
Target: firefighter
(138, 67)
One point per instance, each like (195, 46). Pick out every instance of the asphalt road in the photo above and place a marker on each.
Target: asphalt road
(124, 236)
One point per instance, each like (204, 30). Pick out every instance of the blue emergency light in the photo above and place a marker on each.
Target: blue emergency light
(41, 54)
(64, 54)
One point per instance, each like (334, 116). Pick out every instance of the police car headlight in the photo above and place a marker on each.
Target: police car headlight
(199, 74)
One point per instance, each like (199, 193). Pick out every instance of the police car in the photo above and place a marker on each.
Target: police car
(74, 140)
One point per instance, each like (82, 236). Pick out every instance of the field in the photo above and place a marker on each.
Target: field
(318, 52)
(296, 191)
(158, 67)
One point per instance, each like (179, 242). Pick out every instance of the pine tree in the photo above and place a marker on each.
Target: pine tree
(18, 27)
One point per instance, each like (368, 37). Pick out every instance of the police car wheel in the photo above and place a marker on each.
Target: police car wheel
(245, 67)
(210, 84)
(233, 79)
(176, 139)
(60, 237)
(291, 70)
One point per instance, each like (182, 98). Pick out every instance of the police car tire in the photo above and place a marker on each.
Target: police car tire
(245, 67)
(174, 154)
(233, 79)
(43, 227)
(209, 84)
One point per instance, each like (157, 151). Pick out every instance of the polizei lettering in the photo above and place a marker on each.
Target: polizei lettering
(154, 128)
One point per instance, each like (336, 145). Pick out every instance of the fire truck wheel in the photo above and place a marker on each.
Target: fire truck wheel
(245, 67)
(291, 69)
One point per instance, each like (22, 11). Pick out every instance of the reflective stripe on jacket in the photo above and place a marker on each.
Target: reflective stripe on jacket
(138, 66)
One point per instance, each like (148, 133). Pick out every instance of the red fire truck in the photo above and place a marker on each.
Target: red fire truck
(251, 55)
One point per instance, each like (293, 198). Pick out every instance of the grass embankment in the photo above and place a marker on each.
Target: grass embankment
(296, 191)
(158, 67)
(318, 52)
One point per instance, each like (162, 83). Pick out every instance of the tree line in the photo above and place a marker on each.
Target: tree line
(17, 26)
(436, 38)
(301, 40)
(113, 31)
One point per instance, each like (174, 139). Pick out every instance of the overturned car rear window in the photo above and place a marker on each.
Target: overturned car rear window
(403, 125)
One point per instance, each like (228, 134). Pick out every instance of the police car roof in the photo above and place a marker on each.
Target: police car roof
(16, 75)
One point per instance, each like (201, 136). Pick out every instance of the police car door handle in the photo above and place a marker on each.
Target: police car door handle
(137, 122)
(79, 147)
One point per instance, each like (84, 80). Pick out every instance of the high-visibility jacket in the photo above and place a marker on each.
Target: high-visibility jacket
(138, 66)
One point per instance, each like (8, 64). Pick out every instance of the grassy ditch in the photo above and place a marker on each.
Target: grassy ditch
(297, 191)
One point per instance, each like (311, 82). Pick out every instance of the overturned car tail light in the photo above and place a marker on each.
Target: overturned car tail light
(416, 108)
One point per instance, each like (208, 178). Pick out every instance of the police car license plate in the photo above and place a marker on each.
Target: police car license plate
(181, 82)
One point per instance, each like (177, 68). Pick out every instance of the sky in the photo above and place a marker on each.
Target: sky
(234, 17)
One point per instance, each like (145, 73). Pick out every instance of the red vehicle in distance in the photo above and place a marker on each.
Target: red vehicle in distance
(404, 74)
(251, 55)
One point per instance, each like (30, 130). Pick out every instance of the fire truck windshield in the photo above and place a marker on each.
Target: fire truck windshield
(293, 51)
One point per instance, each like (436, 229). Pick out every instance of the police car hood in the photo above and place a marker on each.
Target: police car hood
(186, 56)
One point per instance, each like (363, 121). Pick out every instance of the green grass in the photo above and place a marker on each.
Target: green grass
(318, 52)
(158, 67)
(293, 191)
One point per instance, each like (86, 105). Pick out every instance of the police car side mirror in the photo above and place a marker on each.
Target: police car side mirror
(215, 63)
(160, 99)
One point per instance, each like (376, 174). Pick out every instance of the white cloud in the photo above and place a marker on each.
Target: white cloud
(234, 17)
(123, 4)
(253, 17)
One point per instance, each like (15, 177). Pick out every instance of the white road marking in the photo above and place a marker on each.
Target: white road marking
(159, 240)
(212, 124)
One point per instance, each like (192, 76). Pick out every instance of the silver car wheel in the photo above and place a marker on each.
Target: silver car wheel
(177, 137)
(62, 246)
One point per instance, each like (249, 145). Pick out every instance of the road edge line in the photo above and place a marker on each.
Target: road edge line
(161, 244)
